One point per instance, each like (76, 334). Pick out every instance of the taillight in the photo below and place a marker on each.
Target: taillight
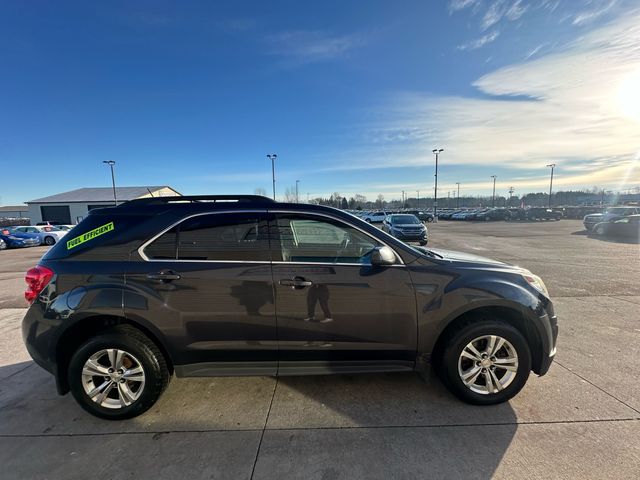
(37, 278)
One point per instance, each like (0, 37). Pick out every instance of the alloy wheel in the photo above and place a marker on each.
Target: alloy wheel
(488, 364)
(113, 378)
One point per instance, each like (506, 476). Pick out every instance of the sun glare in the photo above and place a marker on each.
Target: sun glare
(629, 95)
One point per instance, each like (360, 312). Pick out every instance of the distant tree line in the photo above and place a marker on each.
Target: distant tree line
(592, 196)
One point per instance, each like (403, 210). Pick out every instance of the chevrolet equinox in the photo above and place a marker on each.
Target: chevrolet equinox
(244, 285)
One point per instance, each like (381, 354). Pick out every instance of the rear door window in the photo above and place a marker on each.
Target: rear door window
(214, 237)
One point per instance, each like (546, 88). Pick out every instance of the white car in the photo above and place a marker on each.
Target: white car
(65, 228)
(375, 217)
(48, 234)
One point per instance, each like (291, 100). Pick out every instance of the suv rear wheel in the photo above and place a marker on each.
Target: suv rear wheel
(485, 362)
(118, 374)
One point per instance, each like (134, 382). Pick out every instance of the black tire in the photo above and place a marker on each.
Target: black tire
(456, 341)
(429, 220)
(144, 350)
(49, 241)
(423, 242)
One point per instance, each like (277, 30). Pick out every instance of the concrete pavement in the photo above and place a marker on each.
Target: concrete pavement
(581, 420)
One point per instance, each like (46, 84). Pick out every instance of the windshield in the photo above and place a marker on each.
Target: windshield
(405, 219)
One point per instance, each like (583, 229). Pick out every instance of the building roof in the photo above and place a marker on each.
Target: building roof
(100, 194)
(14, 208)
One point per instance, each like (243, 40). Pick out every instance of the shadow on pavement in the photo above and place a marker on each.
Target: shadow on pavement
(608, 238)
(401, 422)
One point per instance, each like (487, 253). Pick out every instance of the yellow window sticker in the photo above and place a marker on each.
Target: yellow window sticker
(90, 235)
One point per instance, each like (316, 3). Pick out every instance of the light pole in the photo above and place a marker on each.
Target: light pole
(111, 163)
(493, 197)
(418, 200)
(436, 152)
(297, 182)
(273, 157)
(552, 165)
(458, 199)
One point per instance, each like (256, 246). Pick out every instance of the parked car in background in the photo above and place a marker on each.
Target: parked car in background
(625, 227)
(375, 217)
(187, 286)
(514, 214)
(493, 214)
(537, 213)
(422, 215)
(447, 214)
(610, 214)
(48, 234)
(406, 227)
(65, 228)
(18, 240)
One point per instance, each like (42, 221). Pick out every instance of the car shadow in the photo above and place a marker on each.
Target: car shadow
(628, 241)
(583, 233)
(387, 408)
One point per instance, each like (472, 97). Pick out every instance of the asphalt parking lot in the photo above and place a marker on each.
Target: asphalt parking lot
(582, 420)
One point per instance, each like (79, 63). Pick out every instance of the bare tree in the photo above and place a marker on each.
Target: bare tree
(380, 200)
(360, 200)
(260, 191)
(290, 194)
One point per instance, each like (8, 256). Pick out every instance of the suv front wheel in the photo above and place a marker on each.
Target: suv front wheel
(118, 374)
(485, 362)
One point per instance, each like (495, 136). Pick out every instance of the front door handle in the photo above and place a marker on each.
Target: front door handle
(164, 276)
(297, 282)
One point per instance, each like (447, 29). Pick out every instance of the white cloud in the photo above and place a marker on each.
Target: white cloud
(494, 13)
(456, 5)
(303, 46)
(499, 9)
(590, 15)
(480, 42)
(559, 108)
(516, 10)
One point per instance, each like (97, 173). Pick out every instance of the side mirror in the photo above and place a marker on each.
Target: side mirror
(383, 256)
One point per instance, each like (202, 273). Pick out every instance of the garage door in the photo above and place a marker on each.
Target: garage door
(56, 213)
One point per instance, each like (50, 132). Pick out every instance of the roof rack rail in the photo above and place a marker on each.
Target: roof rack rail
(198, 199)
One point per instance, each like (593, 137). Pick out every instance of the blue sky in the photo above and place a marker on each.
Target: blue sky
(352, 96)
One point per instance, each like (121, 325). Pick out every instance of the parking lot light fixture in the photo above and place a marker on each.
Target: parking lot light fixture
(436, 152)
(552, 165)
(493, 196)
(458, 198)
(111, 163)
(273, 157)
(418, 199)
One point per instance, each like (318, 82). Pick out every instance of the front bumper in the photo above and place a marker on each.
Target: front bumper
(405, 236)
(549, 353)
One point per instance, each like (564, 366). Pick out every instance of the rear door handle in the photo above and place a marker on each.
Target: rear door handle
(295, 282)
(164, 275)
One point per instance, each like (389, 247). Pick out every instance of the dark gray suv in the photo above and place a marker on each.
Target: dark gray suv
(242, 285)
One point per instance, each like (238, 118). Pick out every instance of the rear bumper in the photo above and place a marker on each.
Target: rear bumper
(37, 334)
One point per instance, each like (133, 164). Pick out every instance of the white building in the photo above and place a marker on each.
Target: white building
(69, 208)
(14, 211)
